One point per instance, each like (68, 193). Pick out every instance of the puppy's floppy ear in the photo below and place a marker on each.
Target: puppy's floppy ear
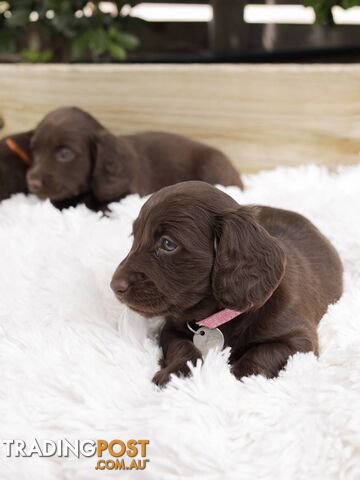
(249, 262)
(111, 175)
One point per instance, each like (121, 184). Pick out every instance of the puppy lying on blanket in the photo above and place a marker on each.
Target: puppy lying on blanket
(268, 274)
(15, 159)
(75, 155)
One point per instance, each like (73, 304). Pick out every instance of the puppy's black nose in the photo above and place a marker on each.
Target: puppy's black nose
(119, 285)
(35, 184)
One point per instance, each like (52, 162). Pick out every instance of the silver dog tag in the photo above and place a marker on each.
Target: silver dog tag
(206, 338)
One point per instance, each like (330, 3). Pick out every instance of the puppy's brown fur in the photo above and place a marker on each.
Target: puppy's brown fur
(12, 168)
(272, 264)
(109, 167)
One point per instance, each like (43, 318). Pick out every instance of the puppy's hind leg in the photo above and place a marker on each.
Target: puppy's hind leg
(268, 359)
(214, 167)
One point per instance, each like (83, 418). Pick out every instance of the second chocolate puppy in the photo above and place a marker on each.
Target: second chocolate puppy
(73, 154)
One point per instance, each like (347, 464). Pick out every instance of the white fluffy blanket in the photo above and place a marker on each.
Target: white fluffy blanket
(67, 370)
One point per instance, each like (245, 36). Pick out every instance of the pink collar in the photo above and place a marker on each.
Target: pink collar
(219, 318)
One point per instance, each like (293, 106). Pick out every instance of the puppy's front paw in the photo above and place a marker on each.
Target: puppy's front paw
(162, 377)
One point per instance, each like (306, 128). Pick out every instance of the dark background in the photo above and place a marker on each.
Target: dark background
(83, 32)
(228, 38)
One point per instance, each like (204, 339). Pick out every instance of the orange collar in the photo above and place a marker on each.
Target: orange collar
(20, 152)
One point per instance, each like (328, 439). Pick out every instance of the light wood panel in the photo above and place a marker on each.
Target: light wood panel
(260, 115)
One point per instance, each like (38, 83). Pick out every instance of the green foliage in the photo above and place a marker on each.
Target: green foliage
(322, 8)
(65, 31)
(32, 56)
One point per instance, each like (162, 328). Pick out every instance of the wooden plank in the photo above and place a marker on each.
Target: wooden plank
(260, 115)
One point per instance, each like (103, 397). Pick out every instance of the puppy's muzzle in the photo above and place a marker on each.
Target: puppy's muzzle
(119, 283)
(35, 185)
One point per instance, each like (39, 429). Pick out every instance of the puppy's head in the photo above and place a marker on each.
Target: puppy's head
(194, 245)
(15, 158)
(61, 147)
(73, 154)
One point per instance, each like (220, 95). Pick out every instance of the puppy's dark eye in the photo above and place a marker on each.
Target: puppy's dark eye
(167, 244)
(64, 154)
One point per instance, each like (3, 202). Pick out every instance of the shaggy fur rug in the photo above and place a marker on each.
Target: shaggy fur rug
(76, 364)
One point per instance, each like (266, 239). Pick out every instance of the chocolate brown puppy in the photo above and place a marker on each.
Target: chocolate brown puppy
(15, 159)
(196, 251)
(75, 155)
